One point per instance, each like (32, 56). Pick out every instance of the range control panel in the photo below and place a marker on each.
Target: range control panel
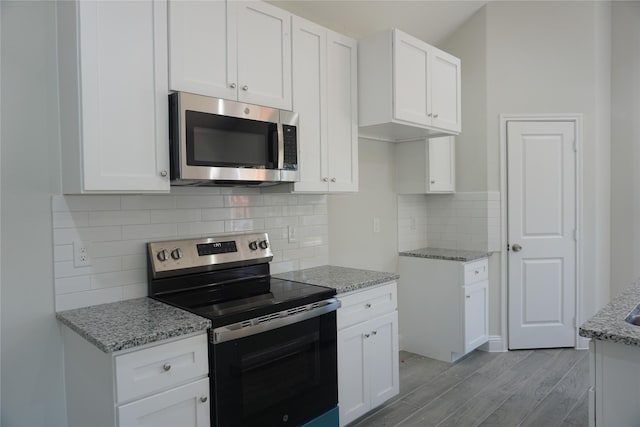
(172, 257)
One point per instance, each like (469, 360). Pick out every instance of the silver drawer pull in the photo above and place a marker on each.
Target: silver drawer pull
(166, 366)
(366, 335)
(203, 399)
(374, 333)
(477, 271)
(367, 305)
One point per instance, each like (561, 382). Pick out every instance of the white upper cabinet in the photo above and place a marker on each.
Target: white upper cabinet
(325, 98)
(408, 88)
(113, 96)
(231, 49)
(426, 166)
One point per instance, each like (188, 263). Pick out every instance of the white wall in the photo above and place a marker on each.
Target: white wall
(544, 58)
(352, 242)
(32, 370)
(625, 146)
(116, 229)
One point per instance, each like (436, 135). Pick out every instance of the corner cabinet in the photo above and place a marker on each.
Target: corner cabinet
(325, 97)
(161, 384)
(112, 59)
(368, 360)
(426, 166)
(443, 306)
(409, 89)
(237, 50)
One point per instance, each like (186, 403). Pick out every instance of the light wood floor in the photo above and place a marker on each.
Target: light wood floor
(519, 388)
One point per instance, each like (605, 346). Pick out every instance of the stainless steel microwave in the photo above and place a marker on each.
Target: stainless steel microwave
(220, 142)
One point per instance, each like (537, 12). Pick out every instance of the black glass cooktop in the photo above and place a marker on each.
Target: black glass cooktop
(269, 295)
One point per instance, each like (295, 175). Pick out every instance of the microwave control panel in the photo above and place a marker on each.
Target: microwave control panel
(290, 147)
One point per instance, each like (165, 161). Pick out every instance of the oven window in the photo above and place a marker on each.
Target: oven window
(280, 372)
(286, 376)
(222, 141)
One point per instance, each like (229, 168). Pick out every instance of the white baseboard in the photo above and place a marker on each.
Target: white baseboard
(494, 345)
(582, 343)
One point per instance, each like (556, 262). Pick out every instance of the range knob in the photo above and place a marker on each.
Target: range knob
(264, 244)
(163, 255)
(253, 245)
(176, 253)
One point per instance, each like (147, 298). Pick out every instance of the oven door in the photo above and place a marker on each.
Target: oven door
(285, 376)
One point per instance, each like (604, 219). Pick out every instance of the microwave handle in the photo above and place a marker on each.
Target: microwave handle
(280, 146)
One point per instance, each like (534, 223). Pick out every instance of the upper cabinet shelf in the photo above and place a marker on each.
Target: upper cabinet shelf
(408, 89)
(237, 50)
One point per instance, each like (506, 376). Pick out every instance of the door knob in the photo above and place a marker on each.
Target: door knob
(516, 247)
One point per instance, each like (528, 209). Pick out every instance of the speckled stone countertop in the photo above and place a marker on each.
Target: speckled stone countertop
(341, 279)
(446, 254)
(131, 323)
(609, 324)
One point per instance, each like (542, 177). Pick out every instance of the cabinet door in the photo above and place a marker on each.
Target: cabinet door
(264, 54)
(124, 86)
(342, 59)
(310, 102)
(442, 172)
(353, 375)
(445, 91)
(382, 358)
(202, 48)
(476, 321)
(411, 81)
(185, 406)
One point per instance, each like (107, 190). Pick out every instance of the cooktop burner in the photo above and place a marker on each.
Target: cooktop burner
(225, 279)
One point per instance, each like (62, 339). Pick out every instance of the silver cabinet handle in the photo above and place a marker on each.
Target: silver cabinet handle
(367, 305)
(245, 87)
(433, 182)
(516, 247)
(366, 335)
(163, 173)
(429, 115)
(325, 179)
(435, 116)
(166, 366)
(232, 85)
(333, 180)
(203, 399)
(374, 333)
(468, 296)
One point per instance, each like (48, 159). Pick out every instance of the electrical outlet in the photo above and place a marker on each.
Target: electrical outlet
(376, 225)
(81, 256)
(291, 232)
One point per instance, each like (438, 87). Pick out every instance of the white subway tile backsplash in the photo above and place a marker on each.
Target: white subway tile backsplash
(118, 278)
(168, 216)
(148, 202)
(85, 203)
(97, 219)
(117, 228)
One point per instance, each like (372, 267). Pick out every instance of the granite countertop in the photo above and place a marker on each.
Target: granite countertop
(341, 279)
(609, 324)
(446, 254)
(131, 323)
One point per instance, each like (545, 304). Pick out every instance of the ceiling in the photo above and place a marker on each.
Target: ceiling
(431, 21)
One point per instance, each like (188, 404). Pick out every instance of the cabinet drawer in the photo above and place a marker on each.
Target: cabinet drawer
(476, 271)
(155, 368)
(364, 305)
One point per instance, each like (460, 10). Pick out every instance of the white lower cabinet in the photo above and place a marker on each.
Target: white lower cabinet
(368, 365)
(615, 376)
(157, 385)
(443, 306)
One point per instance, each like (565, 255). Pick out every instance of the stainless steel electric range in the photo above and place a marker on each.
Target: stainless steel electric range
(272, 345)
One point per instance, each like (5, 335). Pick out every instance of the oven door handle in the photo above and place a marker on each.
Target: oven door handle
(273, 321)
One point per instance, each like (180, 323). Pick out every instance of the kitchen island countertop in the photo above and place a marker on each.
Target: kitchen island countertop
(342, 279)
(126, 324)
(446, 254)
(609, 323)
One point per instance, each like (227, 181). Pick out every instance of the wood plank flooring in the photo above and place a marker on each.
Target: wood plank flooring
(519, 388)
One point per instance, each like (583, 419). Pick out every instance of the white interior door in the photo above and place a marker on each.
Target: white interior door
(541, 174)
